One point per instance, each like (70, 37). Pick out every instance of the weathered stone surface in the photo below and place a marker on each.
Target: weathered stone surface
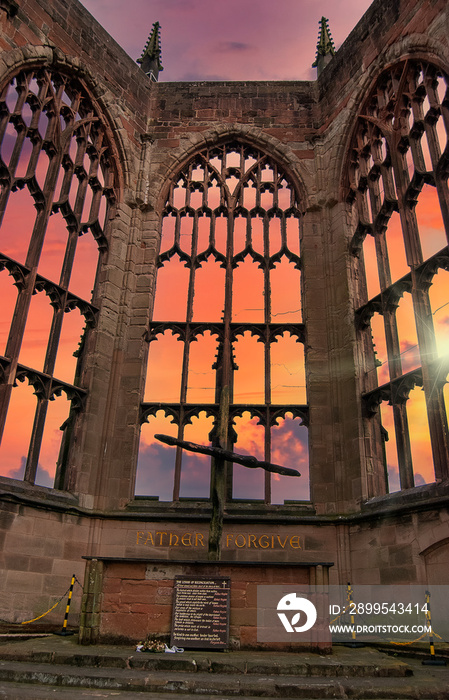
(154, 129)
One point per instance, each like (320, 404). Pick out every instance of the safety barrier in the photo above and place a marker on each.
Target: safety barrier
(430, 632)
(433, 661)
(68, 592)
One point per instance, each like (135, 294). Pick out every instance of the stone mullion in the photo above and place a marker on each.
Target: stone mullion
(267, 446)
(186, 353)
(11, 169)
(440, 184)
(267, 352)
(67, 179)
(373, 183)
(17, 150)
(388, 183)
(390, 325)
(69, 258)
(392, 343)
(227, 372)
(21, 310)
(67, 267)
(36, 440)
(81, 195)
(178, 457)
(81, 146)
(227, 377)
(62, 474)
(436, 413)
(437, 418)
(4, 116)
(443, 196)
(424, 324)
(14, 344)
(400, 420)
(407, 214)
(242, 170)
(58, 316)
(403, 446)
(183, 395)
(34, 157)
(414, 256)
(362, 206)
(434, 146)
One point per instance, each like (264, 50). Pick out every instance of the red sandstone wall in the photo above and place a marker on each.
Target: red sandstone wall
(138, 599)
(41, 550)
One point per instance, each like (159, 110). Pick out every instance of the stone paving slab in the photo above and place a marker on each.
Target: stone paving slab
(16, 691)
(433, 685)
(342, 662)
(46, 666)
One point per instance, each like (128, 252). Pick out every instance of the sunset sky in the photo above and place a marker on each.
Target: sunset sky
(206, 40)
(230, 39)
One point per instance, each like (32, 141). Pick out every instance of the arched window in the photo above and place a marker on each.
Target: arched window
(227, 322)
(56, 192)
(398, 179)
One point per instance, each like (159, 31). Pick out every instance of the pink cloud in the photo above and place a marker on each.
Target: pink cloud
(234, 40)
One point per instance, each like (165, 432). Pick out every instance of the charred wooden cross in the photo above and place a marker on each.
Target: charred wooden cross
(224, 367)
(222, 456)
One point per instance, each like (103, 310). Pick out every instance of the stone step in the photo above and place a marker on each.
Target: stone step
(229, 684)
(179, 664)
(59, 665)
(19, 691)
(342, 663)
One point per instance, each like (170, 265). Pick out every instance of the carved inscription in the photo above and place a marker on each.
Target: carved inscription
(163, 538)
(201, 612)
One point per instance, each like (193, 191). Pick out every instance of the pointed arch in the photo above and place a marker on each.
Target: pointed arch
(240, 263)
(59, 151)
(398, 149)
(250, 136)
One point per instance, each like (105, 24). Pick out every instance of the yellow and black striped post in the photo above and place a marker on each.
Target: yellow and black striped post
(433, 661)
(350, 600)
(65, 632)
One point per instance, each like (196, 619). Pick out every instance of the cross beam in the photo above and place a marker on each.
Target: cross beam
(220, 457)
(227, 456)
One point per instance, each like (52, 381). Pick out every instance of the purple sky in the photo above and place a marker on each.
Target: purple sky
(230, 39)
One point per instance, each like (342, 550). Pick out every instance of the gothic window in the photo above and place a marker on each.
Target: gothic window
(56, 192)
(398, 180)
(227, 320)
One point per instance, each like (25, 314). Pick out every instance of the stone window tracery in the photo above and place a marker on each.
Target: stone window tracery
(56, 179)
(398, 181)
(228, 313)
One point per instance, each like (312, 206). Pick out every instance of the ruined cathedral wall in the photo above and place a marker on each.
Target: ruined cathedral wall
(400, 546)
(276, 117)
(154, 129)
(407, 539)
(42, 547)
(388, 33)
(65, 37)
(44, 533)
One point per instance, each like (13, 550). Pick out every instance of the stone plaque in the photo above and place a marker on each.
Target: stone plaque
(201, 612)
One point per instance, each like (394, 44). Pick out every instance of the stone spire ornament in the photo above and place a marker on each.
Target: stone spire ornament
(325, 48)
(150, 61)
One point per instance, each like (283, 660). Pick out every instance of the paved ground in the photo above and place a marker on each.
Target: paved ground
(349, 673)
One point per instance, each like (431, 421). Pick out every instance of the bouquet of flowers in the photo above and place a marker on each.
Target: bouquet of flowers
(151, 644)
